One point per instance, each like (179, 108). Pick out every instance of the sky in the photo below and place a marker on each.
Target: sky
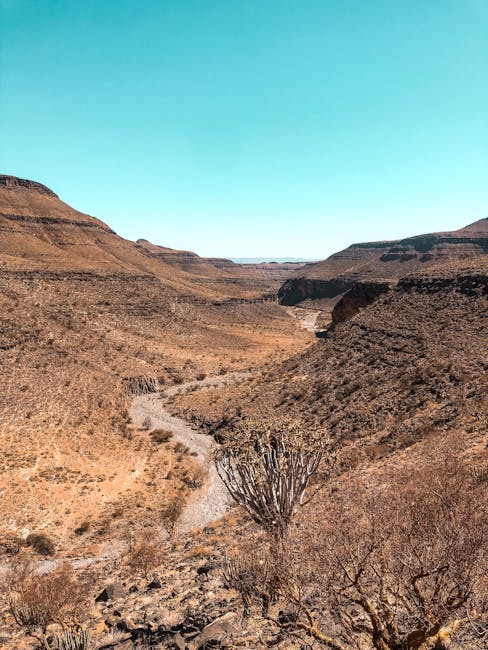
(251, 127)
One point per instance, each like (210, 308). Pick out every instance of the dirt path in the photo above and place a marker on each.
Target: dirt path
(307, 318)
(211, 501)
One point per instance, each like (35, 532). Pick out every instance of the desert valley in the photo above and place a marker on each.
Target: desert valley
(202, 454)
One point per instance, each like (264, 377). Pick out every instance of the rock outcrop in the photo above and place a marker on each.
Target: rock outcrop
(359, 296)
(11, 182)
(297, 289)
(384, 261)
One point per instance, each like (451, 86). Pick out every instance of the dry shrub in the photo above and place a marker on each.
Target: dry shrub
(260, 576)
(38, 600)
(41, 543)
(180, 448)
(83, 528)
(398, 568)
(146, 424)
(195, 478)
(171, 513)
(200, 551)
(161, 435)
(10, 544)
(144, 554)
(480, 471)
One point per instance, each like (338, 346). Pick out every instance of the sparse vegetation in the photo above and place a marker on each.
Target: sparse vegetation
(391, 554)
(146, 424)
(160, 436)
(267, 466)
(170, 514)
(400, 568)
(41, 543)
(82, 528)
(63, 369)
(47, 606)
(144, 553)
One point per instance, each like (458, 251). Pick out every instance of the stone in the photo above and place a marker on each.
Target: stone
(112, 591)
(219, 629)
(179, 641)
(155, 584)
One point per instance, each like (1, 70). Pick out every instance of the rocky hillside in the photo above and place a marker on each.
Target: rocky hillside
(403, 361)
(402, 369)
(220, 272)
(85, 315)
(384, 260)
(42, 233)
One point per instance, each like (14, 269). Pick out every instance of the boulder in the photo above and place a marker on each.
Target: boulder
(217, 630)
(112, 591)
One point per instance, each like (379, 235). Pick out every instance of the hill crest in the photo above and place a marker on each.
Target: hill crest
(15, 182)
(385, 261)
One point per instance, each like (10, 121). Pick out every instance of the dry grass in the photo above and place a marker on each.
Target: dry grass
(160, 435)
(37, 601)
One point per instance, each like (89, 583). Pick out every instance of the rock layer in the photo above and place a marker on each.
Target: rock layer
(39, 232)
(384, 260)
(359, 296)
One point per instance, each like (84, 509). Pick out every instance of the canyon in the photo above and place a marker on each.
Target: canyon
(384, 261)
(123, 365)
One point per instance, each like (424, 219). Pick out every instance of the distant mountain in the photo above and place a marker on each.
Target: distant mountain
(384, 260)
(270, 260)
(41, 233)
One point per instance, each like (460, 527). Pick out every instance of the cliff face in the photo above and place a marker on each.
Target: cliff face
(468, 282)
(384, 261)
(295, 290)
(359, 296)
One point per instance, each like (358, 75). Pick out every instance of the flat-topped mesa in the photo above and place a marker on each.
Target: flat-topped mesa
(384, 261)
(11, 182)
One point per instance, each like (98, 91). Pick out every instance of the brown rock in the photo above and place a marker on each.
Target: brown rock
(216, 631)
(113, 591)
(384, 260)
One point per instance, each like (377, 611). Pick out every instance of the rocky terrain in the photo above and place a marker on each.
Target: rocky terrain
(123, 368)
(383, 260)
(85, 319)
(400, 360)
(41, 233)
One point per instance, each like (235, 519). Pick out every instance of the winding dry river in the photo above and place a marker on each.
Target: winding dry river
(211, 501)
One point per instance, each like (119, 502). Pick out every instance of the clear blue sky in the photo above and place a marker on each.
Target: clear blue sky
(251, 127)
